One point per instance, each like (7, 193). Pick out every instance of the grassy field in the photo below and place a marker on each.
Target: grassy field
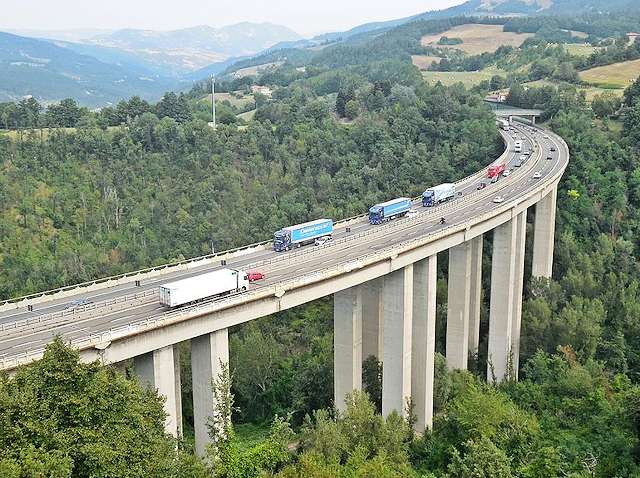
(254, 70)
(580, 50)
(248, 116)
(478, 38)
(618, 75)
(590, 91)
(424, 61)
(237, 99)
(467, 78)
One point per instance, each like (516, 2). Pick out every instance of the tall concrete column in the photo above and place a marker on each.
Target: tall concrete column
(423, 340)
(160, 370)
(458, 302)
(397, 310)
(347, 344)
(372, 323)
(543, 235)
(208, 354)
(475, 296)
(521, 235)
(501, 306)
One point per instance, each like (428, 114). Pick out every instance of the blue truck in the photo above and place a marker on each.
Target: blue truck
(301, 234)
(389, 210)
(438, 194)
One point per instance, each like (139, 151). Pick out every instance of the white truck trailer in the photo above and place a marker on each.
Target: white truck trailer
(203, 286)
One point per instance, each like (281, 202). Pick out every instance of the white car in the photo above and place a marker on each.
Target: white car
(322, 240)
(412, 213)
(498, 199)
(537, 175)
(523, 157)
(506, 173)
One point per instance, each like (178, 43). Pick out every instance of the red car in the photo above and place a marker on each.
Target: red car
(255, 275)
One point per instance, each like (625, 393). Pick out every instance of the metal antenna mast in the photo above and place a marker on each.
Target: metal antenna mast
(213, 101)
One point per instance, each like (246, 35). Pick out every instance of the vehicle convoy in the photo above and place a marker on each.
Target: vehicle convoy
(441, 193)
(301, 234)
(518, 147)
(203, 286)
(495, 170)
(386, 211)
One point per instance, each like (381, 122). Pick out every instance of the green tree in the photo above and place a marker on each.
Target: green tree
(65, 418)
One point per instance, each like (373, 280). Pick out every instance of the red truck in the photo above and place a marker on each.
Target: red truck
(495, 170)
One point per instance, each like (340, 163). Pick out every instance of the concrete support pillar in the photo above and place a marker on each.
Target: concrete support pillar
(458, 302)
(423, 340)
(208, 353)
(475, 296)
(533, 120)
(521, 234)
(347, 344)
(544, 230)
(372, 323)
(501, 306)
(397, 311)
(160, 370)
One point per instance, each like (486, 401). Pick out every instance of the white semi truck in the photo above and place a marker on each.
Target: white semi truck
(203, 286)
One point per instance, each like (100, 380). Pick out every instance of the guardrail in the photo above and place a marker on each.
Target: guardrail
(128, 277)
(350, 264)
(393, 226)
(109, 305)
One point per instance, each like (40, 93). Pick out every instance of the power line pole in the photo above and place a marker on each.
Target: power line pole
(213, 101)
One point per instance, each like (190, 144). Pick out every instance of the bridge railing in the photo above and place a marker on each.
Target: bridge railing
(214, 305)
(393, 226)
(168, 268)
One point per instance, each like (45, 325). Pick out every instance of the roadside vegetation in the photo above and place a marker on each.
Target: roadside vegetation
(140, 184)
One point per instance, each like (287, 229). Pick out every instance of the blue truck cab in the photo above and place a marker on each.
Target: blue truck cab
(386, 211)
(301, 234)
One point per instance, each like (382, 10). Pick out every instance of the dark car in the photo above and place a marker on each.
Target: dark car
(553, 148)
(254, 276)
(481, 186)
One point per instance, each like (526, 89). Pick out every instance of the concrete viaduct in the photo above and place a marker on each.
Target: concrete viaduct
(383, 280)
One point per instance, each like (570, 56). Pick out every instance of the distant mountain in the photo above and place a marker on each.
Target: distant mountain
(192, 48)
(78, 34)
(50, 72)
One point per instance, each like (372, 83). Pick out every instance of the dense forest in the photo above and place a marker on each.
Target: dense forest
(141, 184)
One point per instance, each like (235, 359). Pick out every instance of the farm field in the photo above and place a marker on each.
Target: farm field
(580, 50)
(468, 78)
(478, 38)
(254, 70)
(424, 61)
(590, 91)
(618, 75)
(237, 99)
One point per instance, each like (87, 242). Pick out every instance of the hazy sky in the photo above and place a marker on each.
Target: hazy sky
(305, 16)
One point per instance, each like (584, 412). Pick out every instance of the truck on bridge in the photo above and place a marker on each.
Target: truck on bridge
(301, 234)
(495, 170)
(203, 286)
(386, 211)
(436, 195)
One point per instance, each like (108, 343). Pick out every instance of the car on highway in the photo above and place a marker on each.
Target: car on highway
(78, 303)
(523, 157)
(481, 186)
(506, 173)
(498, 199)
(553, 148)
(549, 157)
(518, 163)
(537, 175)
(253, 276)
(412, 213)
(322, 240)
(494, 179)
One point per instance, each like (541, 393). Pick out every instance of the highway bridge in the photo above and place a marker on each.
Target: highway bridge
(383, 279)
